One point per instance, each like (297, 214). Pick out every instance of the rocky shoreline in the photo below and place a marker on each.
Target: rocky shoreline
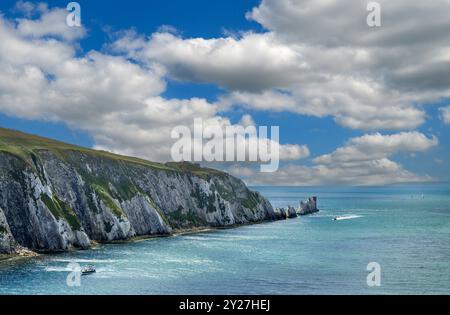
(56, 197)
(306, 207)
(13, 250)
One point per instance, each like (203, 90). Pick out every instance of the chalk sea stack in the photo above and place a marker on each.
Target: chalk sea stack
(308, 207)
(291, 212)
(56, 196)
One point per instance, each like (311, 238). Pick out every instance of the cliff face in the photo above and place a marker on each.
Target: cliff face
(55, 197)
(7, 244)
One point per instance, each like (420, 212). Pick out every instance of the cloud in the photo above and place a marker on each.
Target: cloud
(253, 63)
(264, 73)
(345, 108)
(291, 152)
(116, 94)
(247, 121)
(266, 101)
(29, 9)
(50, 22)
(377, 147)
(343, 22)
(320, 58)
(118, 101)
(376, 173)
(363, 160)
(445, 114)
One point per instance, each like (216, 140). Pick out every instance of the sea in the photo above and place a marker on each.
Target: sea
(387, 240)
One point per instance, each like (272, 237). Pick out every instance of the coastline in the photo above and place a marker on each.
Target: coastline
(24, 254)
(19, 255)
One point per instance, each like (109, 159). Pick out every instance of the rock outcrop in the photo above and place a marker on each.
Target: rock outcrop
(7, 244)
(56, 197)
(281, 214)
(308, 207)
(291, 212)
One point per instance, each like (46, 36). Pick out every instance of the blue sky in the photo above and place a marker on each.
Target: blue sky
(194, 18)
(105, 22)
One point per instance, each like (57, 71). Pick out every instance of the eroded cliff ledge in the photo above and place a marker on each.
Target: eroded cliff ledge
(55, 196)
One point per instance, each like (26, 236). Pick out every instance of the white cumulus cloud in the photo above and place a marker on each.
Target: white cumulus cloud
(117, 101)
(363, 160)
(320, 58)
(445, 114)
(366, 79)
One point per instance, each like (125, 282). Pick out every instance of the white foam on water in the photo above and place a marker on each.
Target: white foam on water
(58, 269)
(67, 260)
(317, 215)
(68, 269)
(347, 217)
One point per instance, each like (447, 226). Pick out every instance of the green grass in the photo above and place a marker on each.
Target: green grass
(28, 147)
(226, 193)
(61, 210)
(127, 190)
(22, 145)
(179, 216)
(50, 204)
(108, 201)
(251, 202)
(187, 167)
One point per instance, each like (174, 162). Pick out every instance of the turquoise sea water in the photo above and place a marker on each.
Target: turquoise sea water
(406, 229)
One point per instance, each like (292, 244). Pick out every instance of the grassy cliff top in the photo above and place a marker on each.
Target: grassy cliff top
(23, 145)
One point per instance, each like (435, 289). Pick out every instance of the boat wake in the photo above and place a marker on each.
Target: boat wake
(347, 217)
(58, 269)
(80, 261)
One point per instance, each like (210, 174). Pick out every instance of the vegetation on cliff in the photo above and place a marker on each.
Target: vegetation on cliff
(56, 196)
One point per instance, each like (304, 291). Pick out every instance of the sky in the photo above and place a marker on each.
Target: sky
(356, 105)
